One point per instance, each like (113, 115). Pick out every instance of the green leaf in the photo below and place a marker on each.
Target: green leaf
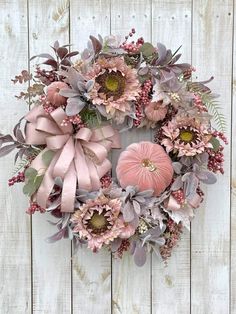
(147, 49)
(30, 173)
(29, 189)
(215, 143)
(37, 181)
(47, 157)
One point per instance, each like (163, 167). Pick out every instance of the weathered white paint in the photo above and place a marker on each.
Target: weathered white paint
(197, 278)
(172, 26)
(51, 267)
(210, 238)
(15, 254)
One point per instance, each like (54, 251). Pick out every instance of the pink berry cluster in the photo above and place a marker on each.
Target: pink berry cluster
(20, 177)
(172, 235)
(76, 120)
(199, 104)
(221, 136)
(132, 47)
(33, 208)
(106, 181)
(143, 101)
(216, 160)
(179, 196)
(47, 106)
(124, 246)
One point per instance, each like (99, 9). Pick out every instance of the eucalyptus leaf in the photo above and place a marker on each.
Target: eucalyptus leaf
(47, 157)
(215, 143)
(147, 49)
(30, 173)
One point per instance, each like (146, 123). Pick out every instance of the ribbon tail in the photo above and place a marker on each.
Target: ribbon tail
(47, 184)
(81, 167)
(69, 190)
(94, 177)
(66, 156)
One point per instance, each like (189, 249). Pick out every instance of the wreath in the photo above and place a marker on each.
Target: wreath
(78, 111)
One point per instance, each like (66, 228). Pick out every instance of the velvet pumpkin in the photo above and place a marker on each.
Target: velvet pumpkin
(53, 95)
(145, 165)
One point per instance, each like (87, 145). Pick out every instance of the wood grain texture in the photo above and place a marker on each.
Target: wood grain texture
(233, 177)
(172, 27)
(130, 284)
(49, 21)
(210, 250)
(197, 279)
(15, 257)
(91, 277)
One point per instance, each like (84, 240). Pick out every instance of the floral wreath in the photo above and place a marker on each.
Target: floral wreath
(78, 111)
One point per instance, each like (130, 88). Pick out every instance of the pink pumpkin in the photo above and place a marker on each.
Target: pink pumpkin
(145, 165)
(53, 95)
(155, 111)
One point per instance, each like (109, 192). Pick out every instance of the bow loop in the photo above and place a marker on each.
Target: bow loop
(80, 159)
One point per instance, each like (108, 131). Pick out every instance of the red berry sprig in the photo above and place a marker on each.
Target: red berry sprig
(20, 177)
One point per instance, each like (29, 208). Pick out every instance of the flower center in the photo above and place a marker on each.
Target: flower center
(186, 136)
(98, 221)
(112, 84)
(147, 163)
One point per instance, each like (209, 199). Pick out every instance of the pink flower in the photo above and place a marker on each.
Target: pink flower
(155, 111)
(99, 221)
(116, 86)
(53, 95)
(186, 136)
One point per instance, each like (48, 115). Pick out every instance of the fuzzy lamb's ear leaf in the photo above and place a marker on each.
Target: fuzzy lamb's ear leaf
(68, 92)
(128, 212)
(177, 167)
(178, 184)
(140, 255)
(97, 46)
(74, 106)
(208, 177)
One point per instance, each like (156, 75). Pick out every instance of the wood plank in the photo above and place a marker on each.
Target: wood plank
(210, 249)
(233, 179)
(49, 21)
(15, 256)
(91, 273)
(131, 285)
(171, 283)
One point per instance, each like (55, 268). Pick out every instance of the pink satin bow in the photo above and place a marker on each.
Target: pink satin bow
(79, 158)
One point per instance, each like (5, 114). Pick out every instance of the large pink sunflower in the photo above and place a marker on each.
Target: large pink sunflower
(99, 221)
(116, 86)
(186, 136)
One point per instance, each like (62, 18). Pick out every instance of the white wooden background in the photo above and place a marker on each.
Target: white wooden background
(36, 277)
